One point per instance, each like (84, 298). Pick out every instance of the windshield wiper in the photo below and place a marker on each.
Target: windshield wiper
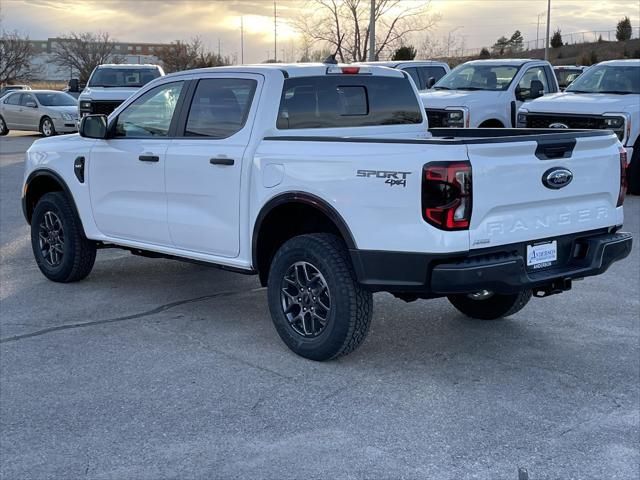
(472, 88)
(616, 92)
(578, 91)
(441, 88)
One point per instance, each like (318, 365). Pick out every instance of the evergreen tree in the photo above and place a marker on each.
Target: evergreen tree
(556, 39)
(624, 30)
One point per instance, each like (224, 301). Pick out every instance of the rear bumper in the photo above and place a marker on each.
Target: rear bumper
(501, 270)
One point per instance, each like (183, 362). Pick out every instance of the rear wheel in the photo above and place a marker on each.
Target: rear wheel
(46, 127)
(3, 127)
(60, 248)
(633, 171)
(485, 305)
(317, 306)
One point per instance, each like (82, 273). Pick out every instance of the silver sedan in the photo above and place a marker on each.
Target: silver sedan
(46, 111)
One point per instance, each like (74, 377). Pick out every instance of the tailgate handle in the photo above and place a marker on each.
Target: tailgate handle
(553, 149)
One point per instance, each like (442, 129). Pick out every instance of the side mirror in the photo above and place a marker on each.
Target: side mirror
(431, 82)
(519, 96)
(31, 104)
(93, 126)
(537, 89)
(74, 85)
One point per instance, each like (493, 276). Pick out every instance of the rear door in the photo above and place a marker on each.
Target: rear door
(204, 163)
(11, 110)
(514, 201)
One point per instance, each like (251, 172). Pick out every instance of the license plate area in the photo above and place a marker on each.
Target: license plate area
(542, 254)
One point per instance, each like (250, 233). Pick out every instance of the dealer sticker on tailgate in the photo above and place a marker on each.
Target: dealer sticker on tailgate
(542, 255)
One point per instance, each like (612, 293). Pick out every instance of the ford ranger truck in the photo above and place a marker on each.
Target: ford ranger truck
(325, 181)
(487, 93)
(111, 84)
(606, 96)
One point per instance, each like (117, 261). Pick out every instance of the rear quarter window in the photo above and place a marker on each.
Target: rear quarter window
(347, 101)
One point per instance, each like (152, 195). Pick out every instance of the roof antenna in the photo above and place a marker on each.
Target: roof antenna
(331, 59)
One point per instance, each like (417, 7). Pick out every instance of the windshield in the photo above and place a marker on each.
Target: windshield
(566, 76)
(123, 77)
(56, 100)
(614, 79)
(478, 77)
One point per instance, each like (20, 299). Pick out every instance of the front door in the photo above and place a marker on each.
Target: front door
(204, 164)
(126, 171)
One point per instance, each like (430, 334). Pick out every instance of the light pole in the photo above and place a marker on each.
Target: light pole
(541, 14)
(372, 32)
(546, 43)
(241, 41)
(449, 40)
(275, 32)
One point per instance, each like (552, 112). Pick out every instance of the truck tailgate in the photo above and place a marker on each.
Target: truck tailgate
(512, 204)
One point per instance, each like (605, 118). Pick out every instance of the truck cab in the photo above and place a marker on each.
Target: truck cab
(111, 84)
(487, 93)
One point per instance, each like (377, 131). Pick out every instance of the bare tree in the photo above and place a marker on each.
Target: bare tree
(179, 56)
(15, 58)
(84, 51)
(343, 25)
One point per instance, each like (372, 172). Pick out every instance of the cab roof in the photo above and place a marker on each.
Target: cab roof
(127, 65)
(292, 69)
(516, 62)
(632, 62)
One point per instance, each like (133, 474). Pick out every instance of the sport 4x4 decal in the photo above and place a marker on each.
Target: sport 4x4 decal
(391, 178)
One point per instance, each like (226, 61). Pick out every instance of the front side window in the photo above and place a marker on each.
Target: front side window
(332, 101)
(413, 72)
(478, 77)
(123, 77)
(535, 77)
(27, 99)
(620, 80)
(430, 72)
(220, 107)
(56, 99)
(150, 115)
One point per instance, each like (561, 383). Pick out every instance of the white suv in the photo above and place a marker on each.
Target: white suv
(487, 93)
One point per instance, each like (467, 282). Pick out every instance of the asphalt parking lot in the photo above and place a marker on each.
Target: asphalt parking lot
(154, 369)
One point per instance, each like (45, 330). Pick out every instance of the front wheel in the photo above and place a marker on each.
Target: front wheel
(47, 128)
(487, 305)
(317, 306)
(60, 248)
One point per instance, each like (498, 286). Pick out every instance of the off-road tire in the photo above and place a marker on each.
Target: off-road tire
(492, 308)
(349, 318)
(633, 171)
(43, 130)
(3, 127)
(78, 253)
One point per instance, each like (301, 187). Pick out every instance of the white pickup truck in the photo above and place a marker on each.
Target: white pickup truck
(324, 181)
(487, 93)
(111, 84)
(606, 96)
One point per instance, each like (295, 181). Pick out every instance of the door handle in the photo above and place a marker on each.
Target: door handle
(222, 161)
(149, 158)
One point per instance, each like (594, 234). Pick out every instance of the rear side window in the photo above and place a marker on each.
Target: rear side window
(220, 107)
(347, 101)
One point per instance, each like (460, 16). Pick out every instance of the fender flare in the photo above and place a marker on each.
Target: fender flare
(305, 199)
(46, 172)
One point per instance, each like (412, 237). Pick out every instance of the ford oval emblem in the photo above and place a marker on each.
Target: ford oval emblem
(558, 125)
(557, 177)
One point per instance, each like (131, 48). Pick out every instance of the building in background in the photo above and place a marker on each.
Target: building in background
(128, 52)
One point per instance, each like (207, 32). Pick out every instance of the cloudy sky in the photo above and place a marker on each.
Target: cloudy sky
(477, 22)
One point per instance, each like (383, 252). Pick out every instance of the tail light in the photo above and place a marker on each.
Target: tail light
(446, 195)
(623, 176)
